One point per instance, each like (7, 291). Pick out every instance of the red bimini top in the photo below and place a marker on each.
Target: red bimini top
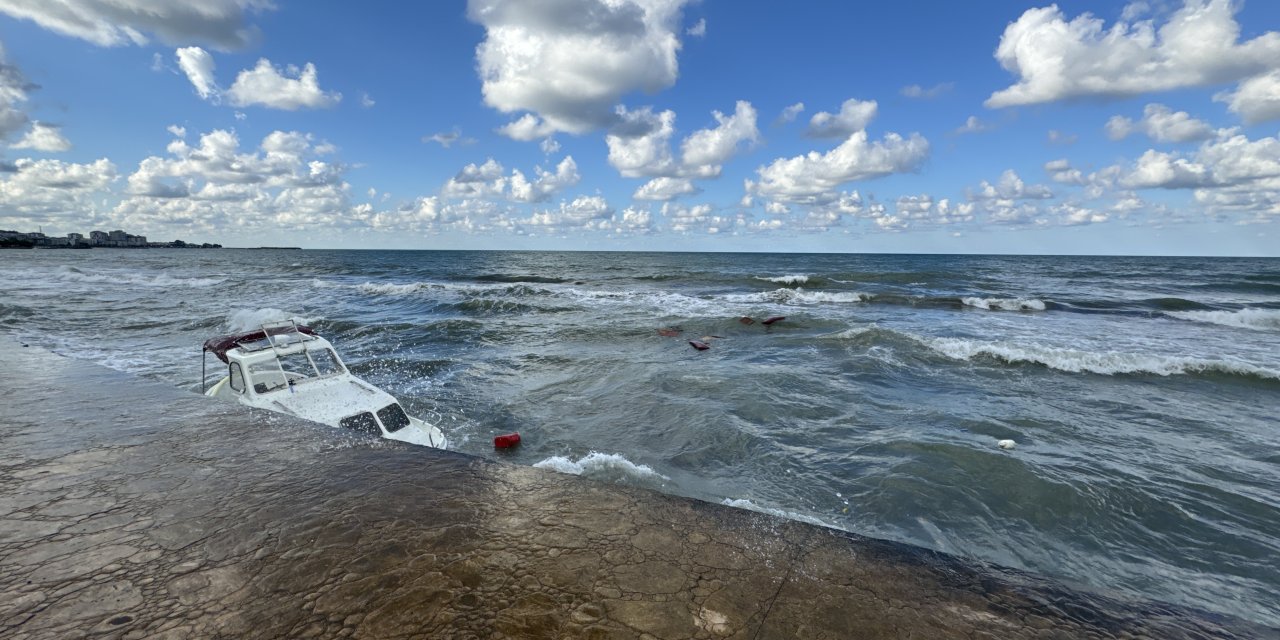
(220, 345)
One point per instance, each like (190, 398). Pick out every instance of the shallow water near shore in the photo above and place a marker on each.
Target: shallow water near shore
(1142, 392)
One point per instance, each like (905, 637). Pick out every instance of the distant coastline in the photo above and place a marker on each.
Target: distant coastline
(117, 239)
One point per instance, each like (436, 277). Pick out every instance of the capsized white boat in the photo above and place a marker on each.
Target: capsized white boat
(287, 368)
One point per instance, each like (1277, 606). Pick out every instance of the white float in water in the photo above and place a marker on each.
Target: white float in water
(1007, 445)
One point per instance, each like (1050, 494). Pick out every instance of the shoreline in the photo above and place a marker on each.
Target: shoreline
(133, 509)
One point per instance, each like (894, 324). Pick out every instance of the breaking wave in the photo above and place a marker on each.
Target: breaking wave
(801, 296)
(250, 319)
(390, 289)
(1245, 318)
(791, 279)
(1004, 304)
(1105, 363)
(601, 466)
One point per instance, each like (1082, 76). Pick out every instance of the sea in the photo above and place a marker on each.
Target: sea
(1142, 394)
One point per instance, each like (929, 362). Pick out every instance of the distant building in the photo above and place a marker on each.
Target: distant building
(117, 239)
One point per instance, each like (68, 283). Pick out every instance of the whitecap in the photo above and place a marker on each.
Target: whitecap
(801, 296)
(600, 464)
(1106, 363)
(252, 319)
(1004, 304)
(789, 279)
(1242, 318)
(391, 289)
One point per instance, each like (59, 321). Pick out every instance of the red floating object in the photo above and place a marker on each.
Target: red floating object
(773, 319)
(700, 346)
(746, 320)
(506, 440)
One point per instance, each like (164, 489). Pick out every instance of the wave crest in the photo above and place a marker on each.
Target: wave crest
(800, 296)
(1004, 304)
(789, 279)
(601, 465)
(1105, 363)
(391, 289)
(1244, 318)
(251, 319)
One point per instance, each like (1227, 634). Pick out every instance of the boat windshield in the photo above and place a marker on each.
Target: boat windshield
(393, 417)
(326, 361)
(297, 367)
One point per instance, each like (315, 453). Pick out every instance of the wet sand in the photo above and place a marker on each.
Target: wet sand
(132, 509)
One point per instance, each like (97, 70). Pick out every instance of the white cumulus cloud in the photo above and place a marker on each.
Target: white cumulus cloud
(290, 90)
(198, 65)
(1010, 187)
(1161, 124)
(122, 22)
(791, 112)
(489, 181)
(527, 128)
(640, 144)
(585, 212)
(814, 177)
(1055, 58)
(854, 115)
(570, 61)
(216, 184)
(1256, 99)
(43, 137)
(664, 188)
(44, 189)
(706, 149)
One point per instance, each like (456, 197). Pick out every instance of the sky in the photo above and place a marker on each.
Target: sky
(1148, 128)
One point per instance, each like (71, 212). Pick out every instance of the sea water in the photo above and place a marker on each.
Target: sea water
(1143, 394)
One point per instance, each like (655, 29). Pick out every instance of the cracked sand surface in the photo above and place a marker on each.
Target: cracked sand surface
(129, 509)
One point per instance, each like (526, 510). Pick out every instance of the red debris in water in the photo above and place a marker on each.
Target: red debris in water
(506, 440)
(668, 332)
(746, 320)
(773, 319)
(700, 346)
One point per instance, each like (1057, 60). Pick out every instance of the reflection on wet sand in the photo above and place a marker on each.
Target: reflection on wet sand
(129, 509)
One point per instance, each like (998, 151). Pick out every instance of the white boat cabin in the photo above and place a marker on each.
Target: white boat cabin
(289, 369)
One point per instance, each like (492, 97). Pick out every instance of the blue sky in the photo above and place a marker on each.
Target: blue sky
(993, 127)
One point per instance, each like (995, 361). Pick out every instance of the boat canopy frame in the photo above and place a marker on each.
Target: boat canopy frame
(270, 335)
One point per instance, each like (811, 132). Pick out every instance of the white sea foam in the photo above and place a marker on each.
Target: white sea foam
(391, 289)
(791, 279)
(743, 503)
(251, 319)
(600, 464)
(1004, 304)
(800, 296)
(1244, 318)
(1106, 363)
